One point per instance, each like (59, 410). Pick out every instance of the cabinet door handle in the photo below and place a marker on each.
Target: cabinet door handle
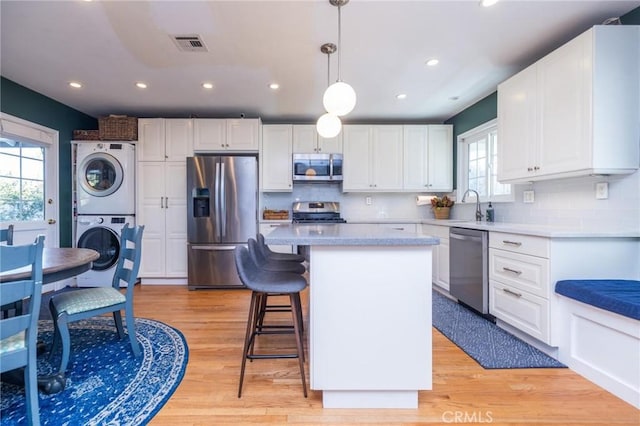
(513, 271)
(512, 243)
(166, 202)
(536, 168)
(511, 292)
(161, 202)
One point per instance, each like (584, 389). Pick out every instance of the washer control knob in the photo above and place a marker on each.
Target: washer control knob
(100, 220)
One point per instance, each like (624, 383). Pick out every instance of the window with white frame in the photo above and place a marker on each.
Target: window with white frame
(21, 181)
(478, 164)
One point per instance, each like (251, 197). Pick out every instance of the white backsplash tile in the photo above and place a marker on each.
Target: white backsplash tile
(562, 202)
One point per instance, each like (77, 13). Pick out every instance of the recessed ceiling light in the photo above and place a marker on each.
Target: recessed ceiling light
(207, 85)
(401, 96)
(487, 3)
(141, 85)
(274, 86)
(75, 84)
(432, 62)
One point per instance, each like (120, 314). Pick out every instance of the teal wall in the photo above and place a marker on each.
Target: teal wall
(487, 108)
(24, 103)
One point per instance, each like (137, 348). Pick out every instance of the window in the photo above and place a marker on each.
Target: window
(478, 164)
(21, 181)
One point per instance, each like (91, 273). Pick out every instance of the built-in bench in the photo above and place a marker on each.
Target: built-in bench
(601, 333)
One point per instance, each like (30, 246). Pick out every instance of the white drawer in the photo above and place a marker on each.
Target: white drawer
(523, 311)
(526, 244)
(406, 227)
(528, 273)
(436, 231)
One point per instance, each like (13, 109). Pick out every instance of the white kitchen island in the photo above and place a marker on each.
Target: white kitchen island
(370, 312)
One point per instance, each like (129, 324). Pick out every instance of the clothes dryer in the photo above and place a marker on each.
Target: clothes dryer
(105, 178)
(102, 234)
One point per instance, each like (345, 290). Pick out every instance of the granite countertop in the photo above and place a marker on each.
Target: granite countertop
(346, 234)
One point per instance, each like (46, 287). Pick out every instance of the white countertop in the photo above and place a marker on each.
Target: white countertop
(549, 231)
(343, 234)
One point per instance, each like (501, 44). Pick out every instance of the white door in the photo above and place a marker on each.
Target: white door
(29, 180)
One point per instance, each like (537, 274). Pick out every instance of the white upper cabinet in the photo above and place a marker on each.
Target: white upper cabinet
(372, 158)
(243, 134)
(209, 134)
(276, 158)
(164, 139)
(220, 134)
(428, 158)
(306, 140)
(574, 112)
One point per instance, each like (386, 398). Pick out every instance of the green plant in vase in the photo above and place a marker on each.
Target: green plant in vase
(441, 207)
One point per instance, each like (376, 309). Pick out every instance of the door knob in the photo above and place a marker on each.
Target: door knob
(51, 221)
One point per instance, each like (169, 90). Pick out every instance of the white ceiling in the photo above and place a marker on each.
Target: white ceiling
(109, 45)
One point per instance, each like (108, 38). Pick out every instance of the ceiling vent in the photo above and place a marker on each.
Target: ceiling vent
(189, 43)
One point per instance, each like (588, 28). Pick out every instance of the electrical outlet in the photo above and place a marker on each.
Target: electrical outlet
(367, 201)
(602, 191)
(528, 196)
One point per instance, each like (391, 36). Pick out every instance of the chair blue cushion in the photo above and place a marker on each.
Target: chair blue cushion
(619, 296)
(88, 299)
(13, 343)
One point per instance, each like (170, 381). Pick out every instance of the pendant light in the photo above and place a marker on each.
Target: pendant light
(329, 124)
(339, 98)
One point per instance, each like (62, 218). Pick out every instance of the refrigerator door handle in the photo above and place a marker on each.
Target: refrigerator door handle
(217, 201)
(223, 202)
(216, 247)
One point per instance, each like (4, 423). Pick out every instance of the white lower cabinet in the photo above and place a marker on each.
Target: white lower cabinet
(524, 269)
(267, 228)
(440, 255)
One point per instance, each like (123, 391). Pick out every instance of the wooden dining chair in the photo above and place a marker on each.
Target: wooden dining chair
(86, 303)
(18, 334)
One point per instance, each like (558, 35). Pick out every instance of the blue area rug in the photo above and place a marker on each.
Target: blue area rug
(489, 345)
(106, 384)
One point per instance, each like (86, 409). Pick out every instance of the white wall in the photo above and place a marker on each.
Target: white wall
(562, 202)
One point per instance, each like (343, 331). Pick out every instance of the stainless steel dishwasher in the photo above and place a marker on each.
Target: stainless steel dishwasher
(469, 267)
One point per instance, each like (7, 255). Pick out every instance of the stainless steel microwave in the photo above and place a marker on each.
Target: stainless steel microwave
(317, 167)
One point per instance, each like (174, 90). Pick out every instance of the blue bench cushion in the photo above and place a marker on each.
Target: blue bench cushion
(619, 296)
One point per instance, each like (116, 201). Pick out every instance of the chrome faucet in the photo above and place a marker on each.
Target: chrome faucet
(479, 214)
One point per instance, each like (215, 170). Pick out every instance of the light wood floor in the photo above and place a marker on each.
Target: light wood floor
(213, 323)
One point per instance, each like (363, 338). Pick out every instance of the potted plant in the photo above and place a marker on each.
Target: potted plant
(441, 207)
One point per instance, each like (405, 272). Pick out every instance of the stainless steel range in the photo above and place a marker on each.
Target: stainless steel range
(316, 212)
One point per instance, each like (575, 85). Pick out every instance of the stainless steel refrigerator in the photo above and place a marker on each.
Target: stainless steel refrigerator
(222, 208)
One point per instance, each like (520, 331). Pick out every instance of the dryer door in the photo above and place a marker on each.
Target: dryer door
(106, 242)
(100, 174)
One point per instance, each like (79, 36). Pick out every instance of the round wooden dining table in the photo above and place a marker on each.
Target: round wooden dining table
(58, 263)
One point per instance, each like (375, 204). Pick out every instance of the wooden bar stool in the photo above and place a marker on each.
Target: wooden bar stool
(262, 282)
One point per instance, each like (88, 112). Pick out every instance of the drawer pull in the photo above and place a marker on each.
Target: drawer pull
(513, 293)
(513, 271)
(512, 243)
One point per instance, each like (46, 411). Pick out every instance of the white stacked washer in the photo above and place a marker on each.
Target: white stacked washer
(105, 196)
(102, 234)
(105, 173)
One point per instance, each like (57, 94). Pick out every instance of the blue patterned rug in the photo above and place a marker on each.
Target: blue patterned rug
(489, 345)
(105, 383)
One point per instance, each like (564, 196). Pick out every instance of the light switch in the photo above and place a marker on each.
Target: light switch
(367, 200)
(602, 191)
(528, 196)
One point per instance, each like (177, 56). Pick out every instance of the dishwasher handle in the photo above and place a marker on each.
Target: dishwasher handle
(465, 237)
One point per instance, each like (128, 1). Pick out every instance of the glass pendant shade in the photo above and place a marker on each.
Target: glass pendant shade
(328, 125)
(339, 98)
